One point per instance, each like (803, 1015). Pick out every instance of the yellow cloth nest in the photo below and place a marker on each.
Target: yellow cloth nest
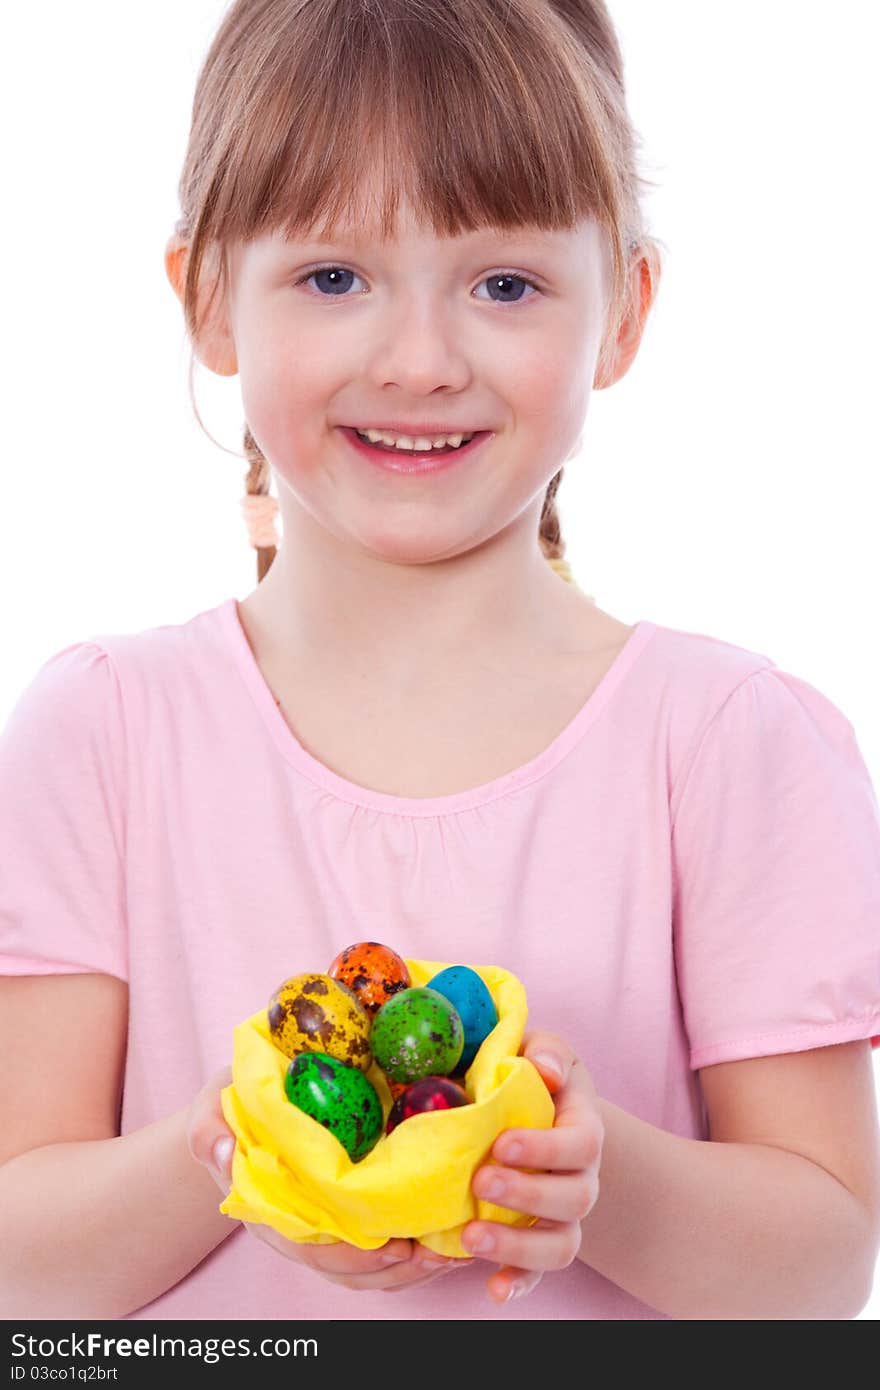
(290, 1173)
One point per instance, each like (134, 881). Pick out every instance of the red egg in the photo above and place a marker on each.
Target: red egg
(431, 1093)
(373, 971)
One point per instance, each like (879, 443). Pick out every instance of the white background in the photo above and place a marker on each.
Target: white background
(727, 485)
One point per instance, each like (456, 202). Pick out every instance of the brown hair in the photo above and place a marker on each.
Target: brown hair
(486, 113)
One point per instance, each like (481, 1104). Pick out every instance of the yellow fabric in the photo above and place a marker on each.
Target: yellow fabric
(290, 1173)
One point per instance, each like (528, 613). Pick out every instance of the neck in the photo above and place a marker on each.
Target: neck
(339, 606)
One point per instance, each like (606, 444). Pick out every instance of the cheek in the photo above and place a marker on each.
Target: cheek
(549, 391)
(550, 413)
(284, 396)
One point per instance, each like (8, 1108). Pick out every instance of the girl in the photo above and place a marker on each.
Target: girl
(414, 232)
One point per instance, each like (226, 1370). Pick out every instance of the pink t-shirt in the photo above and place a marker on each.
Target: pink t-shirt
(688, 874)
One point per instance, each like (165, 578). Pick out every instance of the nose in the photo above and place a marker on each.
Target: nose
(417, 347)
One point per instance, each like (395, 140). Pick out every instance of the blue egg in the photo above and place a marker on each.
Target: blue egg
(470, 996)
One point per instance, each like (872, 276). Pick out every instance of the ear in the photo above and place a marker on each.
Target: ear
(215, 346)
(644, 278)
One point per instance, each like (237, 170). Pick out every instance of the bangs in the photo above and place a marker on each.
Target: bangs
(479, 114)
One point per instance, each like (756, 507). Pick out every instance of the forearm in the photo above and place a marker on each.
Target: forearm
(100, 1228)
(703, 1230)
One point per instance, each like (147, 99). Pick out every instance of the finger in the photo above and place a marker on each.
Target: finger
(546, 1245)
(347, 1264)
(555, 1196)
(509, 1282)
(555, 1150)
(422, 1266)
(428, 1278)
(393, 1281)
(345, 1259)
(574, 1142)
(210, 1140)
(551, 1054)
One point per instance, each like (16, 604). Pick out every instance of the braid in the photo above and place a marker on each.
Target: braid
(549, 533)
(261, 527)
(260, 515)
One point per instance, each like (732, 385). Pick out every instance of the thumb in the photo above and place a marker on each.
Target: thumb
(211, 1141)
(552, 1056)
(221, 1155)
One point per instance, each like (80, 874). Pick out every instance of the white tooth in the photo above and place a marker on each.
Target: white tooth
(421, 444)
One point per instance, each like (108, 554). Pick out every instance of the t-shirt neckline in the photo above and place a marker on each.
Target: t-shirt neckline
(344, 790)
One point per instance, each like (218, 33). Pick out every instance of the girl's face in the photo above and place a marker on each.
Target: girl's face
(486, 331)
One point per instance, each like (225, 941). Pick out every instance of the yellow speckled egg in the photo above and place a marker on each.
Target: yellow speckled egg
(315, 1013)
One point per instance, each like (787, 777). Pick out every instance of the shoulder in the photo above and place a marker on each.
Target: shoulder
(156, 668)
(73, 687)
(686, 678)
(727, 701)
(90, 687)
(706, 662)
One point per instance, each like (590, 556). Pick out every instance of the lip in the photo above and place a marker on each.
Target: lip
(403, 462)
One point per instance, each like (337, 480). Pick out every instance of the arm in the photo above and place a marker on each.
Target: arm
(776, 1217)
(92, 1224)
(96, 1229)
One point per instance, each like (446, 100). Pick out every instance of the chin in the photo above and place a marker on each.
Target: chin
(400, 550)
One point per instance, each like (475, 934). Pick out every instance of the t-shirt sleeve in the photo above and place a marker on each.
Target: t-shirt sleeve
(62, 824)
(776, 878)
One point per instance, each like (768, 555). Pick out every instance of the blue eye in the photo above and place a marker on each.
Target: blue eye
(336, 282)
(328, 270)
(503, 279)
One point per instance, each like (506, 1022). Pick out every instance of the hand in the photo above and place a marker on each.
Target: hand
(396, 1265)
(561, 1196)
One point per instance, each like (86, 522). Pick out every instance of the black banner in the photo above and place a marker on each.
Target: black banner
(134, 1354)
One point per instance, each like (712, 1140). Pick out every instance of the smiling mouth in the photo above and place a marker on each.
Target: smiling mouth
(415, 453)
(404, 460)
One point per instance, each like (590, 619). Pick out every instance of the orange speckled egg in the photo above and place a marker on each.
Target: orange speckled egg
(373, 971)
(396, 1088)
(315, 1013)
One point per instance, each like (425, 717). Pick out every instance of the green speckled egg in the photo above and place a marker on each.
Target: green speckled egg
(314, 1013)
(417, 1033)
(339, 1097)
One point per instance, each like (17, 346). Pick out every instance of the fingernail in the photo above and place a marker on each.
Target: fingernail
(434, 1262)
(492, 1188)
(548, 1064)
(515, 1291)
(512, 1152)
(482, 1244)
(221, 1154)
(393, 1259)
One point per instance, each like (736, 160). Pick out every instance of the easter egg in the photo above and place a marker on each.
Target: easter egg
(417, 1033)
(396, 1088)
(314, 1013)
(470, 996)
(431, 1093)
(373, 971)
(339, 1097)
